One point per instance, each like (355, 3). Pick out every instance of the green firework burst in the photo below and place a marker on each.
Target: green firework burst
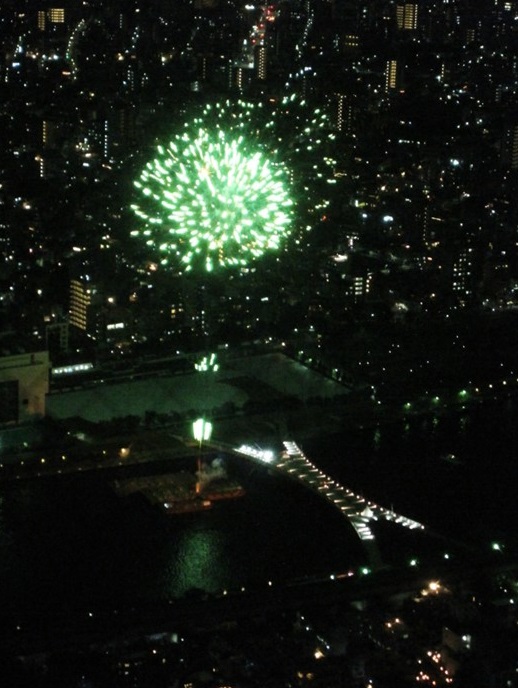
(220, 194)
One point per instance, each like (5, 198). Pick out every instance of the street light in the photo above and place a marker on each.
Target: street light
(201, 430)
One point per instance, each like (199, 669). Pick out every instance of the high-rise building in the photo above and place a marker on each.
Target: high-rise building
(42, 20)
(392, 75)
(260, 62)
(346, 112)
(406, 16)
(46, 18)
(509, 146)
(462, 275)
(350, 43)
(56, 336)
(359, 287)
(81, 296)
(56, 15)
(50, 130)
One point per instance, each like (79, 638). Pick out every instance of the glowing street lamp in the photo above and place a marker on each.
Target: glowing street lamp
(201, 430)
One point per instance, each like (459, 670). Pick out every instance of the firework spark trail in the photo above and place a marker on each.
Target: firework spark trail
(221, 193)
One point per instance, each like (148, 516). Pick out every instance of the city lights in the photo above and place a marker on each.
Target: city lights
(258, 309)
(266, 455)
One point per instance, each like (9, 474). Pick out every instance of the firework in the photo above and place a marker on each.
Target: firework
(226, 189)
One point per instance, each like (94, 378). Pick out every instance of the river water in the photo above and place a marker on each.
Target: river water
(70, 541)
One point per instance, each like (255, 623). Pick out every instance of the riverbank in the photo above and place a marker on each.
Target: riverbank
(268, 429)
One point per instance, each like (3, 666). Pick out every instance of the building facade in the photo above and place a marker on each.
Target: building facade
(24, 384)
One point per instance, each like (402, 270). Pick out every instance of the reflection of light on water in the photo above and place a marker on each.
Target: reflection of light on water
(198, 562)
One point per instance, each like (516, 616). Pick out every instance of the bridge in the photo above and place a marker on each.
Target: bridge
(358, 511)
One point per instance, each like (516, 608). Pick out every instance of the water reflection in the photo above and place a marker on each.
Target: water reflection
(72, 539)
(198, 560)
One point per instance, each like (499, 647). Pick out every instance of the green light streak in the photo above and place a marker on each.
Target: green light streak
(220, 193)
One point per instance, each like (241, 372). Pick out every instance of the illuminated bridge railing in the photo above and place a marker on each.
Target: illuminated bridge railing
(358, 511)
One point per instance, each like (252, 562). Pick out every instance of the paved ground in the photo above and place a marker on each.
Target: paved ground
(253, 377)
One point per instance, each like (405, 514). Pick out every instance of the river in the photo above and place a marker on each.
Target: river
(68, 541)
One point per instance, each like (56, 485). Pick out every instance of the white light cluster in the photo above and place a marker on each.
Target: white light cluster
(76, 368)
(265, 455)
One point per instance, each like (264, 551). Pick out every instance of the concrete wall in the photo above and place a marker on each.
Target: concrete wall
(31, 373)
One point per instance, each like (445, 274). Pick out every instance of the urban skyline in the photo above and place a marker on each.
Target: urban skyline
(306, 211)
(424, 172)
